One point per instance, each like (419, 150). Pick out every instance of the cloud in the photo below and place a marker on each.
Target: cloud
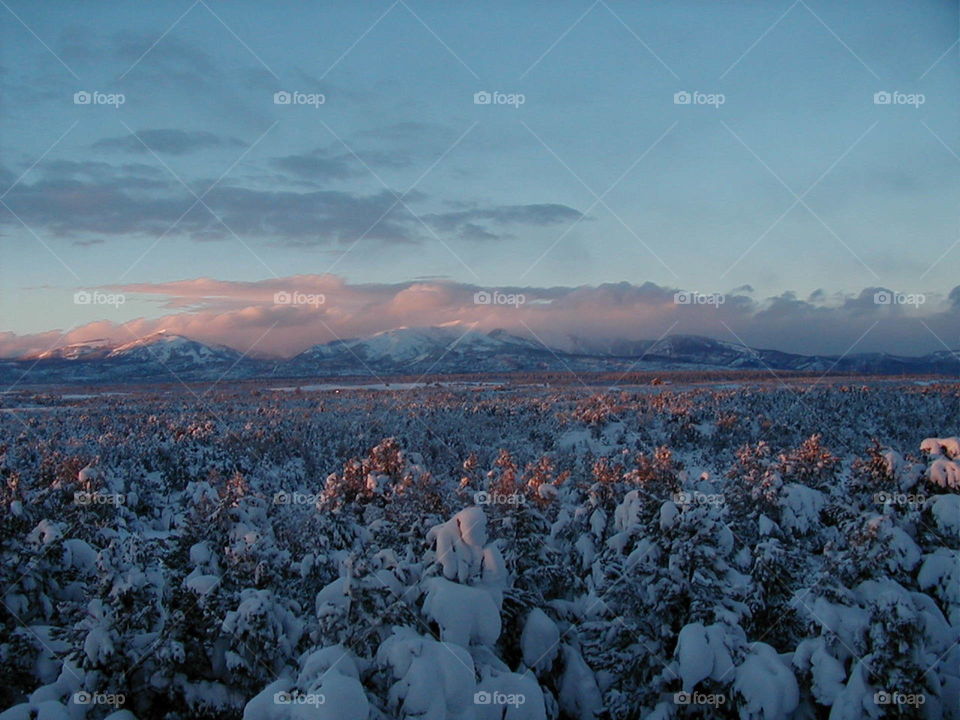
(468, 224)
(74, 199)
(244, 315)
(166, 142)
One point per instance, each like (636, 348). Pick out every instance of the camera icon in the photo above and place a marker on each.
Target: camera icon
(682, 698)
(482, 297)
(682, 498)
(882, 697)
(682, 98)
(282, 298)
(882, 98)
(682, 298)
(482, 98)
(281, 498)
(82, 697)
(482, 697)
(481, 498)
(82, 297)
(82, 98)
(282, 97)
(883, 297)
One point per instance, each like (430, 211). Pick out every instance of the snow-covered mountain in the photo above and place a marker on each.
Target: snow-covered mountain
(158, 356)
(88, 350)
(445, 349)
(448, 349)
(170, 349)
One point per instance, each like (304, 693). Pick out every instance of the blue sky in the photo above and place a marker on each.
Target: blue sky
(797, 182)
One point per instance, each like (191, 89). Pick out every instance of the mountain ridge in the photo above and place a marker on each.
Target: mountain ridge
(445, 349)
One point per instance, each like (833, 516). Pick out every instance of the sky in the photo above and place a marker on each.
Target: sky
(781, 174)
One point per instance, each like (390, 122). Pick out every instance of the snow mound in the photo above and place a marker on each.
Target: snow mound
(768, 688)
(459, 543)
(434, 680)
(464, 614)
(539, 641)
(949, 446)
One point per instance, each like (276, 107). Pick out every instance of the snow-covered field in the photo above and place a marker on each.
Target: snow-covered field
(755, 551)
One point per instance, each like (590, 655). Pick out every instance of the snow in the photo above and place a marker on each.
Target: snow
(949, 446)
(459, 543)
(579, 695)
(945, 473)
(702, 652)
(694, 655)
(767, 686)
(508, 696)
(539, 641)
(464, 614)
(78, 554)
(333, 598)
(827, 672)
(627, 514)
(403, 601)
(433, 680)
(801, 508)
(946, 511)
(202, 584)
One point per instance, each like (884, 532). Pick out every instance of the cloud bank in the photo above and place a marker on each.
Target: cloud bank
(284, 316)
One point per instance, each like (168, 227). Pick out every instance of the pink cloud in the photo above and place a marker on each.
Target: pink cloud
(246, 316)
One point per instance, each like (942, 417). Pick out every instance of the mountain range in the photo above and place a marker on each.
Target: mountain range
(447, 349)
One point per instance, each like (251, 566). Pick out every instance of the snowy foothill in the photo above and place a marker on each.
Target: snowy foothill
(478, 553)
